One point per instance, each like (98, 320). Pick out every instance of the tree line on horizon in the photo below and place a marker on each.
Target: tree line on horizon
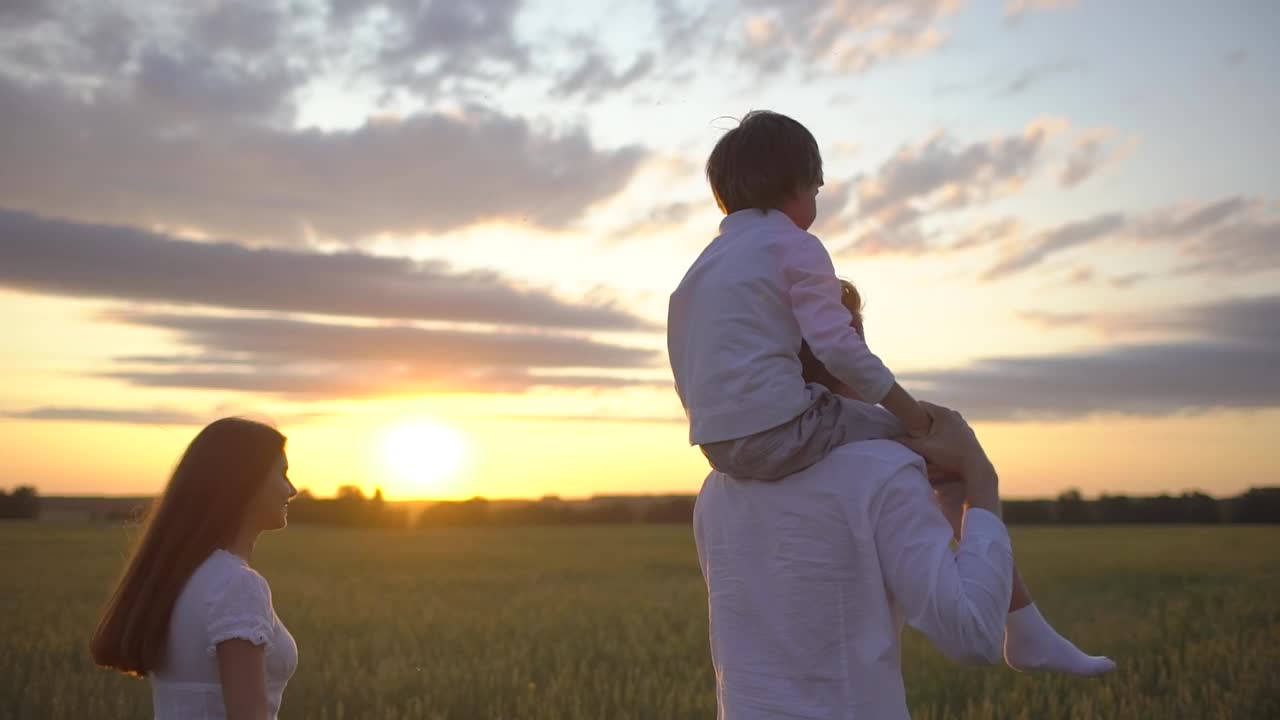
(350, 507)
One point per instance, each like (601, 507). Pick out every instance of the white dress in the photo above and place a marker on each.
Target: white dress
(224, 599)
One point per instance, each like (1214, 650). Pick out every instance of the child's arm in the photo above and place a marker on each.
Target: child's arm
(824, 322)
(915, 418)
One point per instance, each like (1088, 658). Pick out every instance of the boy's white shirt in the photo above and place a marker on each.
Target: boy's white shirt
(736, 321)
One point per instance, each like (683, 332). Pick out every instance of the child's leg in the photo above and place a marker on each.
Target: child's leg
(829, 421)
(1030, 643)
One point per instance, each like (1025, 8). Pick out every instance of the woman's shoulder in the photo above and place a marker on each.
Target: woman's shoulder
(228, 579)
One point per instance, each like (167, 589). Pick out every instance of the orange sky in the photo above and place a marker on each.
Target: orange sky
(439, 260)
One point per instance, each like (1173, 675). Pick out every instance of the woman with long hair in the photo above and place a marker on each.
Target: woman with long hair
(189, 614)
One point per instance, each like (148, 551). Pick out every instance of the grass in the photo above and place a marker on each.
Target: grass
(610, 622)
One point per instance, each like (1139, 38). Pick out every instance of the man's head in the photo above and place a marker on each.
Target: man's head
(767, 162)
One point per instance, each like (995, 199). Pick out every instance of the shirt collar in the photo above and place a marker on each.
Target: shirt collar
(751, 216)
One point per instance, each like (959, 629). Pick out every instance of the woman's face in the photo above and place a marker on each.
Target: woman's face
(271, 506)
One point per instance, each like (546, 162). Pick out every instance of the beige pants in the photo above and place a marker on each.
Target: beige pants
(830, 421)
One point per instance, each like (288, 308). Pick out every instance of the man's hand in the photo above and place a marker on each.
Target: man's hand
(950, 444)
(952, 447)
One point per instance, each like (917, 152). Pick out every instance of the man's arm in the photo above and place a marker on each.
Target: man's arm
(957, 599)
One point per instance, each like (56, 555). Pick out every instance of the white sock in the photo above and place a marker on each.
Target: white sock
(1030, 643)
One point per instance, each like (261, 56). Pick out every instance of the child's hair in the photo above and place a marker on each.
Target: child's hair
(811, 367)
(762, 162)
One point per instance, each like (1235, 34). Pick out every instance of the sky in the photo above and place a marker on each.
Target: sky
(433, 242)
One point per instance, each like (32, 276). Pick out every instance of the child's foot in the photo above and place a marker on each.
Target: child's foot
(1030, 643)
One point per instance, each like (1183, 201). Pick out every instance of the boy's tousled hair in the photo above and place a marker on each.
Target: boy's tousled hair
(763, 161)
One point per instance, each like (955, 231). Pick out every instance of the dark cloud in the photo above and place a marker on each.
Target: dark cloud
(21, 12)
(184, 116)
(428, 42)
(1235, 235)
(1222, 355)
(310, 361)
(102, 161)
(683, 31)
(1056, 240)
(66, 258)
(937, 176)
(140, 416)
(595, 76)
(193, 89)
(1239, 248)
(157, 415)
(253, 28)
(941, 164)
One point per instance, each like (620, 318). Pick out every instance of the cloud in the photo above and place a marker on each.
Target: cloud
(1241, 320)
(310, 361)
(101, 161)
(1002, 231)
(844, 37)
(1226, 358)
(1234, 235)
(953, 173)
(594, 77)
(941, 175)
(1038, 74)
(184, 117)
(139, 416)
(185, 88)
(1056, 240)
(1093, 150)
(79, 260)
(425, 44)
(156, 415)
(661, 218)
(1015, 9)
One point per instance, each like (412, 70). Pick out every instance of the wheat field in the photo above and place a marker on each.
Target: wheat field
(610, 622)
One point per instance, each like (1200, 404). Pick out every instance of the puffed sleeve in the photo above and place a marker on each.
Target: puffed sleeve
(240, 608)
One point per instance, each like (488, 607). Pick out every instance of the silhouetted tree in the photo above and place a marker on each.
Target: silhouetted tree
(1071, 508)
(1027, 512)
(22, 504)
(1258, 505)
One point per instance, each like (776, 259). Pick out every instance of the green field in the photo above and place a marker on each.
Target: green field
(610, 622)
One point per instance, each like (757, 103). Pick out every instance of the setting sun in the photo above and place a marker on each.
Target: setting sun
(424, 454)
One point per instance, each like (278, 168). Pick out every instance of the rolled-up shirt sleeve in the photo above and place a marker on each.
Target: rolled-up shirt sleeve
(958, 599)
(824, 321)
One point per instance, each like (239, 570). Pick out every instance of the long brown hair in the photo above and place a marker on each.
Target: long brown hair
(810, 366)
(201, 510)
